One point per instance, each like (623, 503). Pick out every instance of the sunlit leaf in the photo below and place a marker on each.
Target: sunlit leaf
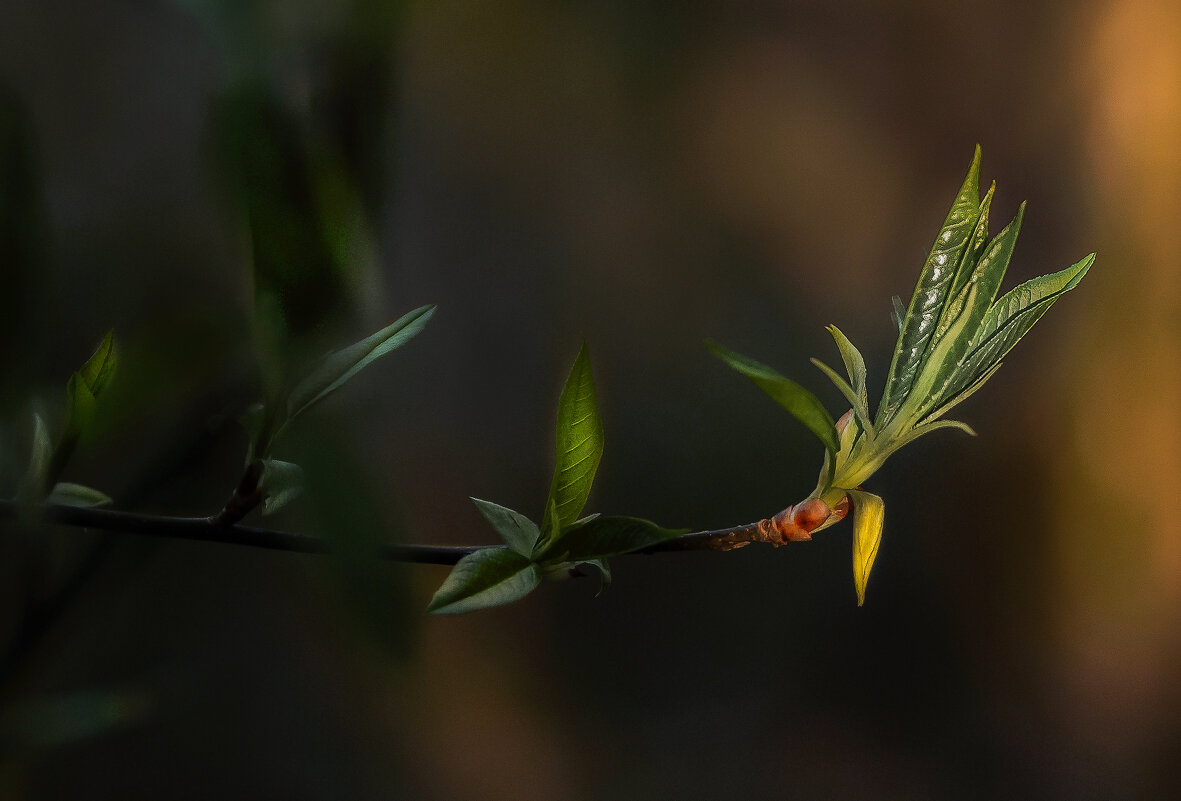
(802, 404)
(1008, 321)
(281, 483)
(854, 366)
(338, 367)
(984, 282)
(66, 494)
(605, 536)
(488, 577)
(931, 293)
(519, 532)
(869, 517)
(579, 448)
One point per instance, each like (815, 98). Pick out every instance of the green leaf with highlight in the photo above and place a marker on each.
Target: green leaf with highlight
(579, 448)
(339, 366)
(489, 577)
(799, 402)
(931, 293)
(519, 532)
(1008, 320)
(869, 518)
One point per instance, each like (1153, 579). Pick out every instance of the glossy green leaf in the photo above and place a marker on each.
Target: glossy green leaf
(280, 483)
(846, 390)
(579, 448)
(519, 532)
(802, 404)
(983, 285)
(338, 367)
(1008, 320)
(931, 293)
(489, 577)
(605, 536)
(66, 494)
(869, 517)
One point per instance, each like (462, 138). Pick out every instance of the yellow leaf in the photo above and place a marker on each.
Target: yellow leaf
(869, 516)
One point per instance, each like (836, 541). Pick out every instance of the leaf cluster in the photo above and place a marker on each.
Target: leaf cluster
(564, 541)
(952, 338)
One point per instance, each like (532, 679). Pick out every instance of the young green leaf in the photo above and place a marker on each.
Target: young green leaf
(603, 537)
(869, 517)
(579, 448)
(931, 293)
(981, 288)
(854, 366)
(802, 404)
(280, 483)
(488, 577)
(338, 367)
(66, 494)
(519, 532)
(1008, 320)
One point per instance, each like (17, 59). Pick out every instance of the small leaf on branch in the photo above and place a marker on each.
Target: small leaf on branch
(799, 402)
(579, 448)
(518, 532)
(338, 367)
(486, 578)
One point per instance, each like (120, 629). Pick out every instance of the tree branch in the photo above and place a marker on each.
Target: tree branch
(209, 529)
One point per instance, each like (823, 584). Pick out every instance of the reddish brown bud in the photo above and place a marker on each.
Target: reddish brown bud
(787, 528)
(810, 514)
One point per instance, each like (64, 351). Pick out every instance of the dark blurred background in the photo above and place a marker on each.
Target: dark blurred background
(238, 187)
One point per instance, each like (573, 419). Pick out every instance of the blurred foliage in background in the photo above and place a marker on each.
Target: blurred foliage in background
(236, 187)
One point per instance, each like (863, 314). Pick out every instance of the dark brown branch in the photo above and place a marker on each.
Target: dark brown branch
(209, 529)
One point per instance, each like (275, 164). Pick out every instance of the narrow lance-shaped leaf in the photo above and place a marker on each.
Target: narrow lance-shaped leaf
(983, 283)
(1008, 321)
(802, 404)
(930, 294)
(488, 577)
(869, 517)
(605, 536)
(519, 532)
(338, 367)
(579, 448)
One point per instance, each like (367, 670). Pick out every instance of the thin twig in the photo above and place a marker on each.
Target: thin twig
(209, 529)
